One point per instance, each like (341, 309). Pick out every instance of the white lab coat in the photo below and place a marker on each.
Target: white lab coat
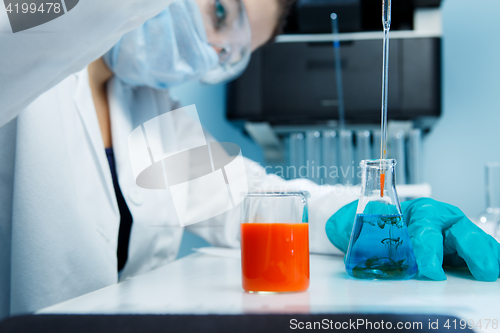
(32, 62)
(59, 218)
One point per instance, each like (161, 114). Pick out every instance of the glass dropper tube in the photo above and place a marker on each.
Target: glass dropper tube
(338, 69)
(386, 21)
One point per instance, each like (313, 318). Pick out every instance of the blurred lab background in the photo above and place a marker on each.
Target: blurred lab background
(443, 96)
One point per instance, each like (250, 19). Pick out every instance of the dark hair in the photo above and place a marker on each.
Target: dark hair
(285, 6)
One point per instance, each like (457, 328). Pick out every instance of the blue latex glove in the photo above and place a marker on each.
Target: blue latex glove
(438, 232)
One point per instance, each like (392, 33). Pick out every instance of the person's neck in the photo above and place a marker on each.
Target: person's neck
(99, 75)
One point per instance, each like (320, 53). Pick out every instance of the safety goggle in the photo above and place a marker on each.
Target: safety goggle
(230, 35)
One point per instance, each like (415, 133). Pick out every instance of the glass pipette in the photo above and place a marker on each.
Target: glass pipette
(386, 21)
(338, 70)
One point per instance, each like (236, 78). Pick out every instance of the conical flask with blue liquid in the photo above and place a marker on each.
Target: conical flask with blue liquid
(380, 246)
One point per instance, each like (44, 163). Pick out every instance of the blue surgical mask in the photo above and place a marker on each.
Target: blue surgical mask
(167, 50)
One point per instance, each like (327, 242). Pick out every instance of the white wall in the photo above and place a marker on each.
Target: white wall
(467, 135)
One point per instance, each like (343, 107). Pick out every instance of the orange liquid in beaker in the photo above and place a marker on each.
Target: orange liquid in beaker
(275, 257)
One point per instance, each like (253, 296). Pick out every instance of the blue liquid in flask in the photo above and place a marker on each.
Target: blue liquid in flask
(380, 248)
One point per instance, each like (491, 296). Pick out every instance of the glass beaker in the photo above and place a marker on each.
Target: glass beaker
(380, 246)
(275, 242)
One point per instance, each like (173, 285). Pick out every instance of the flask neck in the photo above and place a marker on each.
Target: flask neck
(378, 185)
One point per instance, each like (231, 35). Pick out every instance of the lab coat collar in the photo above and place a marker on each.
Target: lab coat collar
(86, 109)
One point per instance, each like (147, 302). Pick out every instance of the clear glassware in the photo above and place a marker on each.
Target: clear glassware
(330, 150)
(275, 242)
(363, 149)
(313, 153)
(398, 152)
(380, 246)
(377, 141)
(414, 156)
(489, 220)
(346, 152)
(296, 154)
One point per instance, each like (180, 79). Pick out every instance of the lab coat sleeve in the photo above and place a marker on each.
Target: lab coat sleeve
(325, 200)
(35, 60)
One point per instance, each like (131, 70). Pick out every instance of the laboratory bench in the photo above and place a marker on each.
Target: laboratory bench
(202, 293)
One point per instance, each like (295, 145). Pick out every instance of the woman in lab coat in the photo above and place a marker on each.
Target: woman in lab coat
(60, 216)
(63, 195)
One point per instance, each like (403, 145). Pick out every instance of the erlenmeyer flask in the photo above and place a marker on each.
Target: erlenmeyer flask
(380, 246)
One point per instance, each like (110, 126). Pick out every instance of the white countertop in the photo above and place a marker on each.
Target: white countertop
(209, 284)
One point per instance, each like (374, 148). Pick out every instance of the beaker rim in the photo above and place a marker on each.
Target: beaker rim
(378, 163)
(305, 194)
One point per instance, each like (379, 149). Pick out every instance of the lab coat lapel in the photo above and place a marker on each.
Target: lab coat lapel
(152, 243)
(86, 109)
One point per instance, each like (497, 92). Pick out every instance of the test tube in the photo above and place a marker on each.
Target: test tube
(297, 156)
(414, 156)
(363, 149)
(330, 160)
(493, 185)
(489, 219)
(313, 153)
(347, 169)
(338, 69)
(398, 153)
(377, 138)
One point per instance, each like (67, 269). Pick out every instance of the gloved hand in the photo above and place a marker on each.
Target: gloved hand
(438, 232)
